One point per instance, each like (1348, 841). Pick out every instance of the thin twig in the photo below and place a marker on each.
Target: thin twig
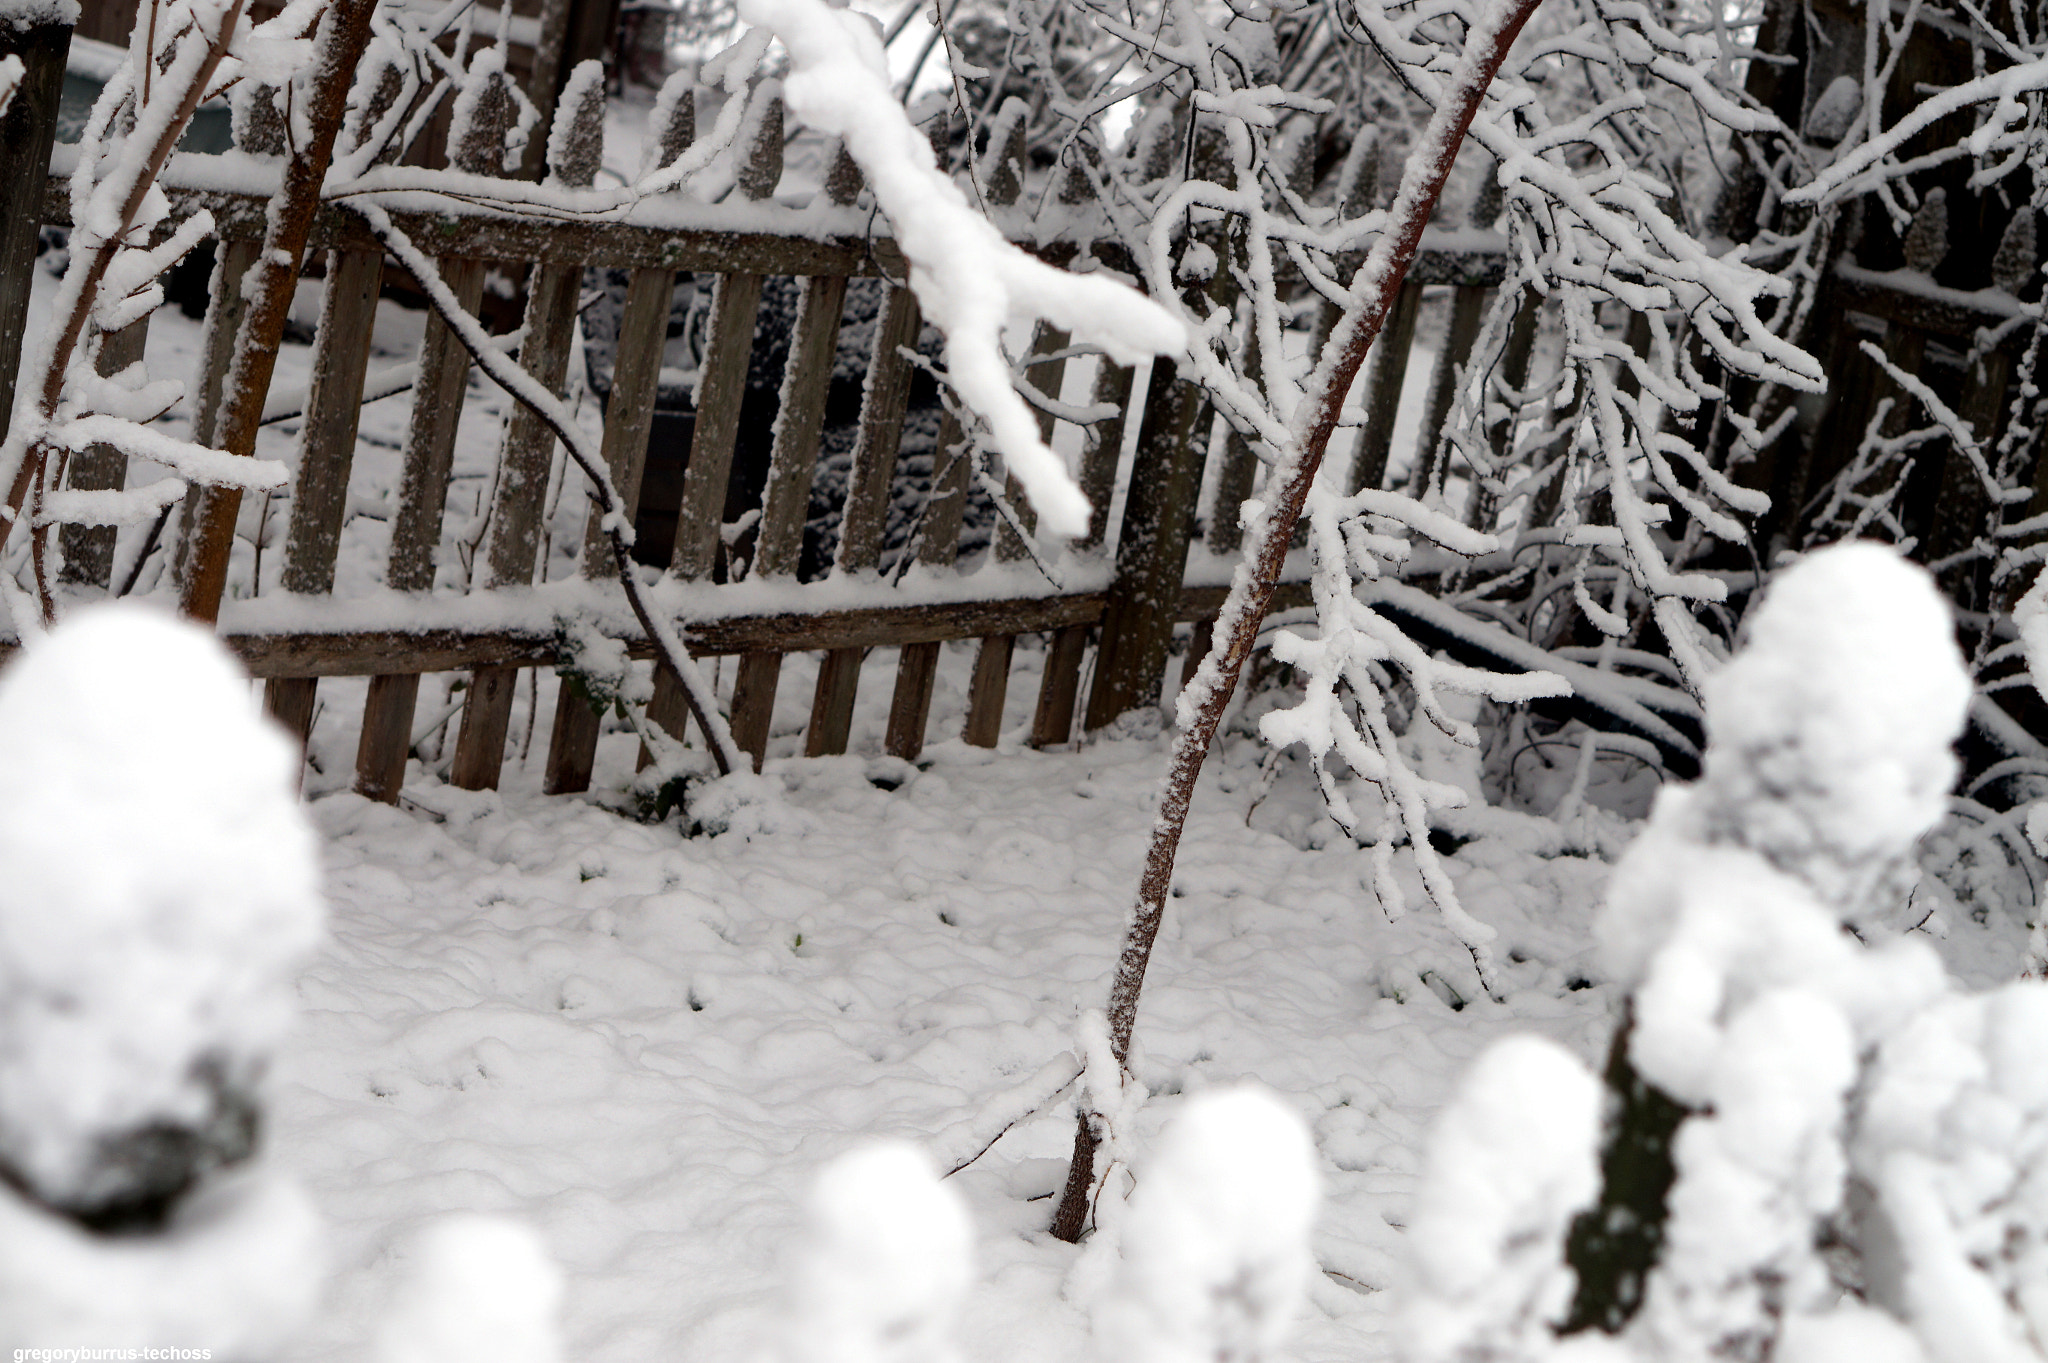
(524, 389)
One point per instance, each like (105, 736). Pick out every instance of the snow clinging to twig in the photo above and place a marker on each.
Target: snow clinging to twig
(969, 279)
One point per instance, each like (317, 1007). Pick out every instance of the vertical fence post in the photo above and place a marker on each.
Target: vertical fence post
(28, 130)
(1151, 551)
(629, 418)
(521, 497)
(721, 386)
(89, 549)
(429, 454)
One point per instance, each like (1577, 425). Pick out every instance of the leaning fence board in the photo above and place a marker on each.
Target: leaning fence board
(516, 512)
(636, 385)
(1468, 309)
(629, 419)
(721, 386)
(991, 684)
(224, 310)
(423, 483)
(1059, 686)
(1386, 372)
(326, 454)
(519, 503)
(861, 523)
(793, 465)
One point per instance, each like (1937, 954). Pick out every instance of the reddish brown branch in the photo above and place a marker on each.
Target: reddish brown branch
(1381, 277)
(344, 34)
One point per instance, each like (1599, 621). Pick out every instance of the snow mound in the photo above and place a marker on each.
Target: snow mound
(1511, 1161)
(1831, 729)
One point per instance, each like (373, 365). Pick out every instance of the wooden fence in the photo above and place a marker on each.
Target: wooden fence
(1126, 591)
(1129, 606)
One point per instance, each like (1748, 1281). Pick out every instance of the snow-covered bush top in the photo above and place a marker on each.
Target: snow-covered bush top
(1215, 1247)
(160, 886)
(1829, 759)
(886, 1257)
(1831, 730)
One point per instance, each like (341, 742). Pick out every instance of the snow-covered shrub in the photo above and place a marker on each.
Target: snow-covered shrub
(884, 1263)
(1510, 1162)
(160, 889)
(481, 1289)
(1215, 1258)
(1804, 1117)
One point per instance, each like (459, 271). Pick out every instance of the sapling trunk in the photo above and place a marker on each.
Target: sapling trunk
(1373, 291)
(343, 35)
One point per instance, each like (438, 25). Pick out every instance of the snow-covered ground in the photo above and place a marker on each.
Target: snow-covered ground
(645, 1045)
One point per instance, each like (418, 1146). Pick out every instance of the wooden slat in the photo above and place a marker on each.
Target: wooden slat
(917, 668)
(517, 508)
(636, 384)
(910, 708)
(224, 310)
(1483, 506)
(416, 528)
(89, 549)
(1052, 720)
(990, 687)
(629, 419)
(1962, 510)
(475, 230)
(429, 456)
(519, 504)
(1059, 686)
(28, 128)
(370, 652)
(348, 312)
(413, 650)
(867, 504)
(1235, 478)
(1468, 310)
